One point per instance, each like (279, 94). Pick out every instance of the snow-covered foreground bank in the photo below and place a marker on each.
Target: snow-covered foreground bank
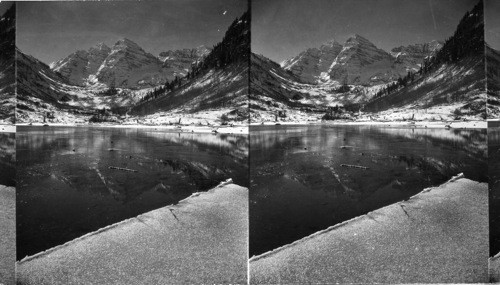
(201, 240)
(8, 235)
(437, 236)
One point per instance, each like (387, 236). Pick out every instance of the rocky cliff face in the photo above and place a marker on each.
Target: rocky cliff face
(358, 61)
(361, 62)
(313, 64)
(412, 56)
(126, 65)
(178, 62)
(129, 66)
(78, 66)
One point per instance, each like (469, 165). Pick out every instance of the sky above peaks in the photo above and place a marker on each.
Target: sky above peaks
(492, 23)
(4, 6)
(284, 28)
(50, 31)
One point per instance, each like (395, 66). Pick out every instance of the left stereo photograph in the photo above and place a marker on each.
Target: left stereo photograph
(132, 142)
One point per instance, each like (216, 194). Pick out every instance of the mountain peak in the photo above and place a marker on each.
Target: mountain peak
(355, 38)
(126, 43)
(101, 46)
(330, 44)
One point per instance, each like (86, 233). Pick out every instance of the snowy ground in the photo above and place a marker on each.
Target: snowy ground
(435, 117)
(8, 236)
(204, 121)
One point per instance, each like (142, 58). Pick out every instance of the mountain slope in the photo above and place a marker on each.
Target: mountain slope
(219, 81)
(493, 82)
(7, 69)
(454, 77)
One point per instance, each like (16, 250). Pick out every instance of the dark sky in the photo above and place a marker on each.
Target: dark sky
(492, 23)
(284, 28)
(52, 30)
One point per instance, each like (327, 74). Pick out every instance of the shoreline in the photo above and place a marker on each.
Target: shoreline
(244, 128)
(412, 124)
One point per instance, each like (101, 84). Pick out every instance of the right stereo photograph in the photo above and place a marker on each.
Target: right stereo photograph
(369, 142)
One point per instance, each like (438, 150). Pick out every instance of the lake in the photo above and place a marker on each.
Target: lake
(307, 178)
(75, 180)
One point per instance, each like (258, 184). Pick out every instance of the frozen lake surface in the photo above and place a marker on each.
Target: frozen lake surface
(71, 180)
(300, 183)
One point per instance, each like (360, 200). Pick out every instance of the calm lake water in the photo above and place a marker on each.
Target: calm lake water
(66, 187)
(494, 185)
(7, 159)
(299, 186)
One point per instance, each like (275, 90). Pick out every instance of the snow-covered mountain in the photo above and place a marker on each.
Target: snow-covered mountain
(358, 61)
(7, 69)
(126, 65)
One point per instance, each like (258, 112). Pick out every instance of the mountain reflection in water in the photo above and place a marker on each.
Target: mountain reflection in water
(300, 182)
(74, 180)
